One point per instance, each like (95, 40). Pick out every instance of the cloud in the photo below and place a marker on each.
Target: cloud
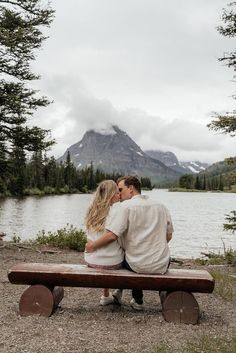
(76, 110)
(148, 66)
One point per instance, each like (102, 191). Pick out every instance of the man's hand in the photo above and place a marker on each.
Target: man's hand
(89, 246)
(168, 237)
(104, 240)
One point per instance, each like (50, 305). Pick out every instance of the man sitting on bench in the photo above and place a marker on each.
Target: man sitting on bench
(144, 228)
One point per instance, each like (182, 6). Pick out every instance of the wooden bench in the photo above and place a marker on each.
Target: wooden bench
(47, 281)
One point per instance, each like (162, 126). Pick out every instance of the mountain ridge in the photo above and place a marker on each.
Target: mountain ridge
(171, 161)
(115, 151)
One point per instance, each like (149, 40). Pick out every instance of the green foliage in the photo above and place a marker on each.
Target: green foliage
(48, 190)
(146, 183)
(16, 239)
(67, 237)
(227, 258)
(226, 124)
(186, 181)
(21, 23)
(33, 191)
(220, 176)
(225, 285)
(183, 190)
(231, 226)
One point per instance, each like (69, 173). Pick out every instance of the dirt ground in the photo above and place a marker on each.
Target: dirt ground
(80, 325)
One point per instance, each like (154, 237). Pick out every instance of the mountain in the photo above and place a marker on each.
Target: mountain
(171, 161)
(220, 168)
(115, 151)
(167, 158)
(194, 167)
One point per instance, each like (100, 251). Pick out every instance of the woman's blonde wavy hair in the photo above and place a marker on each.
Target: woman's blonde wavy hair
(97, 213)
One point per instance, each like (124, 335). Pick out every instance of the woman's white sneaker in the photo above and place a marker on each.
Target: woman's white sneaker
(106, 300)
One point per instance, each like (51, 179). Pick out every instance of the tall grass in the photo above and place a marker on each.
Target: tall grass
(225, 285)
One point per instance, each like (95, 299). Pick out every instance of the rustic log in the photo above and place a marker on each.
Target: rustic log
(83, 276)
(180, 307)
(40, 300)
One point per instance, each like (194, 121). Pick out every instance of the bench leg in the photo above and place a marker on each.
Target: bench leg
(40, 300)
(180, 307)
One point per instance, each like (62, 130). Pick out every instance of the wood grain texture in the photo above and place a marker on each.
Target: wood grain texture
(49, 274)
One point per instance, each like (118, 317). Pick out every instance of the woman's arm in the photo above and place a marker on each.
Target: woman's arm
(104, 240)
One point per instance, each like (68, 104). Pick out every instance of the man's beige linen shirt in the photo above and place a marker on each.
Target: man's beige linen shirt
(142, 225)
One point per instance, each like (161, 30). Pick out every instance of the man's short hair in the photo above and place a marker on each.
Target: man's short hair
(131, 180)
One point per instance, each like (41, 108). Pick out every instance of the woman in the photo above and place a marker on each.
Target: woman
(111, 256)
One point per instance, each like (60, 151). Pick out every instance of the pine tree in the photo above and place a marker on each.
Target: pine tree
(197, 183)
(226, 124)
(21, 23)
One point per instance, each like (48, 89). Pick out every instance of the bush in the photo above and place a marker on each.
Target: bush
(48, 190)
(33, 191)
(64, 190)
(67, 237)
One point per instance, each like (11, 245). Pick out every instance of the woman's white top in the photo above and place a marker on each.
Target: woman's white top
(109, 255)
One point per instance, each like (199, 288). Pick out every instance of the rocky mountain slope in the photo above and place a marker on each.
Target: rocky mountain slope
(115, 151)
(171, 161)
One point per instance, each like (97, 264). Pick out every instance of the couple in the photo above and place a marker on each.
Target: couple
(133, 233)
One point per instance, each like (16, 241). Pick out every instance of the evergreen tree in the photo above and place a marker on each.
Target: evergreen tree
(197, 183)
(186, 181)
(21, 22)
(68, 171)
(221, 184)
(227, 123)
(50, 172)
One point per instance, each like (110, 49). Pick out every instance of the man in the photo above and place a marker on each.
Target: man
(144, 227)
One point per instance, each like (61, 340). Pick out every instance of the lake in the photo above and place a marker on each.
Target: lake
(197, 217)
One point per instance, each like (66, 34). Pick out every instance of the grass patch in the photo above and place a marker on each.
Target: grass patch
(227, 258)
(210, 344)
(177, 189)
(68, 237)
(225, 285)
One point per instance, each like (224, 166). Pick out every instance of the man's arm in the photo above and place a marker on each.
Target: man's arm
(104, 240)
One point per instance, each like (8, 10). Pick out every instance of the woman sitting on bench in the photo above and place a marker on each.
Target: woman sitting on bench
(111, 256)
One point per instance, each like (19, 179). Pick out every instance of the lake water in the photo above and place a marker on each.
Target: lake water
(197, 217)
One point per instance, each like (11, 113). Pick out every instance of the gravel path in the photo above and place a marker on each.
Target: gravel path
(81, 325)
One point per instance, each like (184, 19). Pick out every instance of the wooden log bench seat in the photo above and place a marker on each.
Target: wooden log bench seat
(47, 280)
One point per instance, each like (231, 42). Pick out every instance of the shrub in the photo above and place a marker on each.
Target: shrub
(48, 190)
(33, 191)
(67, 237)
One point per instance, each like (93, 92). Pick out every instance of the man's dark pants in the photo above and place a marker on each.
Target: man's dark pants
(137, 294)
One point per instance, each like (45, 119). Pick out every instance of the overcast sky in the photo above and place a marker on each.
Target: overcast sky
(149, 66)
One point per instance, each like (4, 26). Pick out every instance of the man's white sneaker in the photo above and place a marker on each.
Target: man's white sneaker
(106, 300)
(117, 295)
(135, 305)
